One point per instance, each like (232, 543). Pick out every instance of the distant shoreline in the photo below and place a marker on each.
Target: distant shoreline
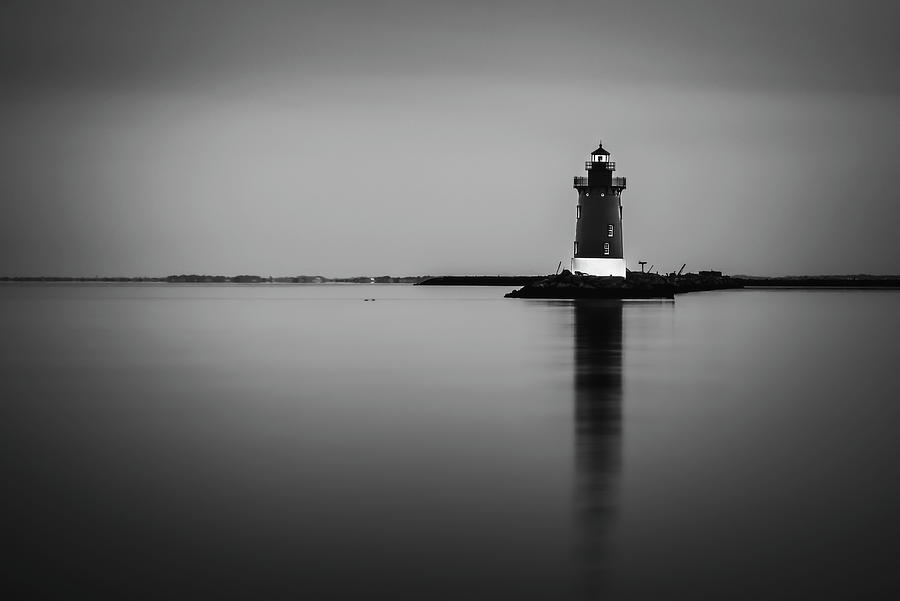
(222, 279)
(861, 281)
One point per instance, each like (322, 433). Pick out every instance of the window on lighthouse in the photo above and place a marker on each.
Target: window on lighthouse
(611, 230)
(578, 212)
(606, 248)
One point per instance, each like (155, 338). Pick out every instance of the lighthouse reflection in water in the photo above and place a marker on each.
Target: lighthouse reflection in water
(598, 430)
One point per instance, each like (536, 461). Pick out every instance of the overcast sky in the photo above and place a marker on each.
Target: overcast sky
(415, 137)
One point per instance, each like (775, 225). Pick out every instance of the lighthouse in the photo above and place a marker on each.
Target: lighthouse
(598, 219)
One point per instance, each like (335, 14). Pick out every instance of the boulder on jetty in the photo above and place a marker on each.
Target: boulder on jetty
(634, 285)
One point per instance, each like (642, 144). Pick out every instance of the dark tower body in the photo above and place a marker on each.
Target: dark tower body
(599, 249)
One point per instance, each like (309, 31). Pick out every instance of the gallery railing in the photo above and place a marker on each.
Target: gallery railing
(615, 182)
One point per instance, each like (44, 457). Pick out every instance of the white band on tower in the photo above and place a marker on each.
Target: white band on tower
(595, 266)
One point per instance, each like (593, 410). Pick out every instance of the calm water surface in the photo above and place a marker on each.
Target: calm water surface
(266, 442)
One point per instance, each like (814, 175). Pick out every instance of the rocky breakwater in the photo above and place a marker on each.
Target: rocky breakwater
(569, 285)
(705, 280)
(634, 285)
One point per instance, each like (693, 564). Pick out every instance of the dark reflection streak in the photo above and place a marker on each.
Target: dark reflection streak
(598, 433)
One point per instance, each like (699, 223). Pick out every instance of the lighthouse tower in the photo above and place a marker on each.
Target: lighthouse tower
(598, 219)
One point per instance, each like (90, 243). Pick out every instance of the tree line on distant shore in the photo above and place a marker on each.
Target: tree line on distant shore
(225, 279)
(297, 279)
